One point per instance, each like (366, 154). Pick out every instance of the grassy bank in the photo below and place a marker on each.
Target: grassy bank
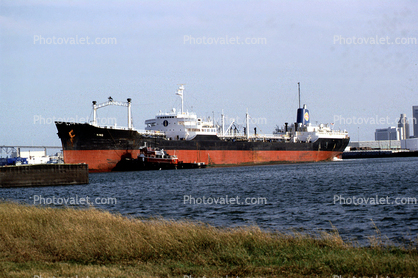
(51, 242)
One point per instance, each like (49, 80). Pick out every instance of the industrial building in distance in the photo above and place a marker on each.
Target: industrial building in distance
(401, 132)
(394, 138)
(411, 143)
(415, 120)
(18, 155)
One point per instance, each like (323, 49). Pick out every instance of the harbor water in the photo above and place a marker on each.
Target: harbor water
(355, 196)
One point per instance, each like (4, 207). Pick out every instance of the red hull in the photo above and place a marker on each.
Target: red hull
(106, 160)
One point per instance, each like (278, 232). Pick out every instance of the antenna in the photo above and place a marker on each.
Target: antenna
(180, 93)
(299, 93)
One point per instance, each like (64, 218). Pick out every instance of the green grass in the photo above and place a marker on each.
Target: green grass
(67, 242)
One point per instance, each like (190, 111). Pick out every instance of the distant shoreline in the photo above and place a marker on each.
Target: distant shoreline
(377, 154)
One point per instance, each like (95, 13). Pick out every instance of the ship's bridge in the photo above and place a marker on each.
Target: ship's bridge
(180, 125)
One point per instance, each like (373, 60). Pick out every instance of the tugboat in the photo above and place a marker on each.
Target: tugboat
(148, 159)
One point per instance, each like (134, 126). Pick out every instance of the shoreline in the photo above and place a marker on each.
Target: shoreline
(65, 242)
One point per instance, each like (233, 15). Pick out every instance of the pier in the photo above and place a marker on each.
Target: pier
(43, 175)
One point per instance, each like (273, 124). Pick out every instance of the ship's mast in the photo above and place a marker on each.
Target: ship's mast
(223, 123)
(247, 124)
(129, 114)
(112, 102)
(180, 93)
(94, 113)
(299, 93)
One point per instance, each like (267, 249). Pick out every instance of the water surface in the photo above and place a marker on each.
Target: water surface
(287, 196)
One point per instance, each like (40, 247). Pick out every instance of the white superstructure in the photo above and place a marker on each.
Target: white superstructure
(180, 125)
(310, 133)
(186, 126)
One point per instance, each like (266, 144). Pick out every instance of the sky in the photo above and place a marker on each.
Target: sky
(356, 62)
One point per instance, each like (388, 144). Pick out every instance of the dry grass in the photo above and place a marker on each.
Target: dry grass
(65, 242)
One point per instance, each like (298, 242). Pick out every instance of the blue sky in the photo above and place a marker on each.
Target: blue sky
(350, 85)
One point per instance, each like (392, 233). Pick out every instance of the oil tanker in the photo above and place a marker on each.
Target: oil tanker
(196, 140)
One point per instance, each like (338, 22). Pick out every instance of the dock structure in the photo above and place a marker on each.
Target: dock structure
(9, 150)
(43, 175)
(378, 154)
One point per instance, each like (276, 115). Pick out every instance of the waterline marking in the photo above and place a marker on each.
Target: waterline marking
(188, 199)
(226, 40)
(338, 39)
(39, 200)
(38, 39)
(375, 200)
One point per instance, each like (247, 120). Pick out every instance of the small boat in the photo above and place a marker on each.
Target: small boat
(156, 156)
(148, 159)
